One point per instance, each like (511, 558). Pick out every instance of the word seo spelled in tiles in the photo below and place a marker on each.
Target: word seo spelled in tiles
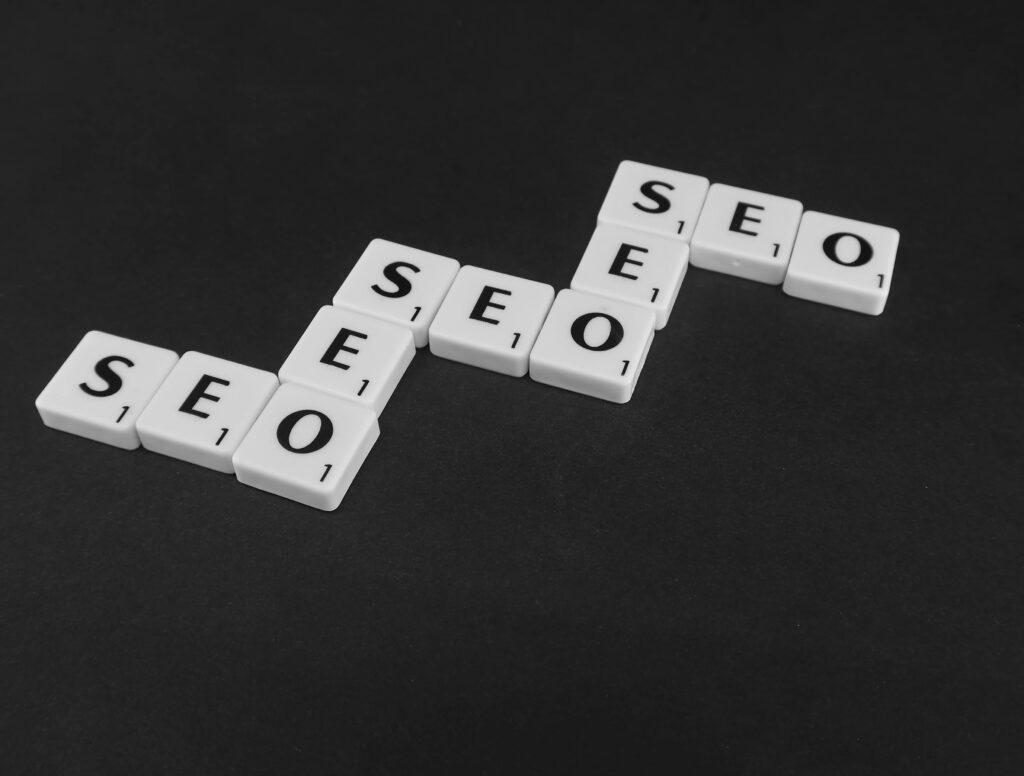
(305, 432)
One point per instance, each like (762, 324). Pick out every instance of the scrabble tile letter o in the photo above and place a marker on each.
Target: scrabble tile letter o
(593, 345)
(842, 262)
(306, 446)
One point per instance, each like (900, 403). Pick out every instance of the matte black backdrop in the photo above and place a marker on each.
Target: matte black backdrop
(797, 550)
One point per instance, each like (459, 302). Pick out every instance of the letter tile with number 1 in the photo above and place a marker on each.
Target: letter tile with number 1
(638, 267)
(400, 284)
(745, 233)
(203, 410)
(653, 199)
(842, 262)
(102, 388)
(490, 320)
(593, 345)
(306, 446)
(351, 355)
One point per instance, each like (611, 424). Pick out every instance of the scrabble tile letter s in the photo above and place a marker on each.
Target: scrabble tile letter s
(102, 388)
(398, 284)
(653, 199)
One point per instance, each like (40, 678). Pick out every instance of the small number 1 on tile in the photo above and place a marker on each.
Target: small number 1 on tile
(515, 339)
(365, 383)
(625, 365)
(327, 468)
(417, 309)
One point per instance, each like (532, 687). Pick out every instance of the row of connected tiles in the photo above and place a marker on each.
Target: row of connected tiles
(306, 437)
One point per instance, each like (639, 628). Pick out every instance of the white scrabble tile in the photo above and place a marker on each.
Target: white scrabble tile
(103, 387)
(653, 199)
(745, 233)
(637, 267)
(593, 345)
(203, 410)
(307, 446)
(490, 320)
(842, 262)
(399, 284)
(351, 355)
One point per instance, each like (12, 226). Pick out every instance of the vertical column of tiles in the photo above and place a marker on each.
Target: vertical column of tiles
(203, 410)
(306, 446)
(102, 388)
(399, 284)
(490, 320)
(653, 199)
(842, 262)
(745, 233)
(593, 345)
(350, 355)
(637, 267)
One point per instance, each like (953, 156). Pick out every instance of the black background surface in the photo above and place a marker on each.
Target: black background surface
(799, 549)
